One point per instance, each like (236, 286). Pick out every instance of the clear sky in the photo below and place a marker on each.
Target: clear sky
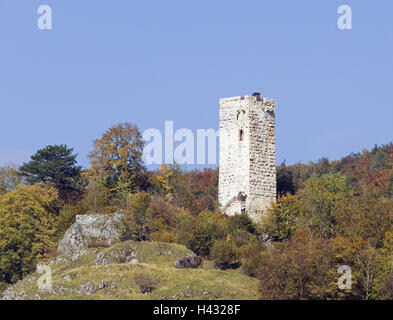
(145, 62)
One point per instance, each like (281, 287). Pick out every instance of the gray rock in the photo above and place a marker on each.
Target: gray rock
(101, 260)
(67, 278)
(188, 262)
(88, 227)
(131, 260)
(88, 288)
(102, 284)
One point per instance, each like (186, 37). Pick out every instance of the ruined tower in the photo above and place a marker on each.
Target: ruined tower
(247, 167)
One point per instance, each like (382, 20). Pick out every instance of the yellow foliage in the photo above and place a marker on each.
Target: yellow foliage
(163, 178)
(27, 228)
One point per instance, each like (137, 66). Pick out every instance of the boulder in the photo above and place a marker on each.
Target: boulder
(88, 228)
(188, 262)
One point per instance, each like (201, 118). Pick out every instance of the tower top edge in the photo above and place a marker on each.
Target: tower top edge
(247, 98)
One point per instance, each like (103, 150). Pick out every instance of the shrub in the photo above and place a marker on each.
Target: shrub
(185, 229)
(163, 236)
(134, 224)
(97, 243)
(251, 255)
(241, 222)
(145, 283)
(207, 228)
(225, 255)
(161, 215)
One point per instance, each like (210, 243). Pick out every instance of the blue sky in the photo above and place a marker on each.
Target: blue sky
(145, 62)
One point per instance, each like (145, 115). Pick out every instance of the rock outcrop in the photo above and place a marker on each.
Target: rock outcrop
(188, 262)
(89, 229)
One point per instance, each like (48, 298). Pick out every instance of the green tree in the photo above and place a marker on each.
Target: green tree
(55, 165)
(285, 182)
(321, 199)
(282, 218)
(380, 160)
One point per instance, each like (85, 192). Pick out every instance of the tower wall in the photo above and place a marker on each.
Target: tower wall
(247, 163)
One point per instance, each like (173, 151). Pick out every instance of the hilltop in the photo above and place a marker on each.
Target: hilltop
(149, 275)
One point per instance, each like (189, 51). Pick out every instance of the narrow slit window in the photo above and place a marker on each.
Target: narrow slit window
(241, 135)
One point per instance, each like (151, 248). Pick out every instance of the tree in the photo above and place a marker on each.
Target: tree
(135, 217)
(293, 272)
(9, 178)
(204, 190)
(282, 218)
(321, 199)
(380, 160)
(54, 165)
(163, 178)
(285, 182)
(117, 159)
(27, 229)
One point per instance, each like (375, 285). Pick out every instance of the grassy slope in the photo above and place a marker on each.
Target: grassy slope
(156, 262)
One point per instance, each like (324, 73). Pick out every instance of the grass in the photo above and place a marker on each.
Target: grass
(155, 266)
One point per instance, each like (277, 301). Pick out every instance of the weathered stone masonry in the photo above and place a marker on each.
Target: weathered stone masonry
(247, 166)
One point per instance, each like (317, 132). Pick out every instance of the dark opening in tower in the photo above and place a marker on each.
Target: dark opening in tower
(241, 135)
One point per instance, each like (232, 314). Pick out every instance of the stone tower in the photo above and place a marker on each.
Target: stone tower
(247, 167)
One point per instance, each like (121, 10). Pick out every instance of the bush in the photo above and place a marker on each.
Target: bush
(149, 218)
(203, 231)
(251, 255)
(185, 229)
(241, 222)
(97, 243)
(134, 224)
(161, 215)
(225, 255)
(163, 236)
(145, 283)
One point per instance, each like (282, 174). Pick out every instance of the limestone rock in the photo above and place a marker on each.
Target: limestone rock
(90, 227)
(101, 260)
(88, 288)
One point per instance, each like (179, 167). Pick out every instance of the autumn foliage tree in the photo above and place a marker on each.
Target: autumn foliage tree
(27, 229)
(116, 160)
